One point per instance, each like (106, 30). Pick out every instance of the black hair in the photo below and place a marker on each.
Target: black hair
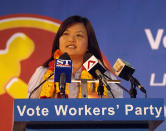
(93, 46)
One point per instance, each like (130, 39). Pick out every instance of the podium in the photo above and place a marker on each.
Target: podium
(88, 114)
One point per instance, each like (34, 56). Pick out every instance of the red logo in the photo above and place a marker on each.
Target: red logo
(90, 63)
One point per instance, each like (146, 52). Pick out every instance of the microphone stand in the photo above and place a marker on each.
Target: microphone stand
(62, 85)
(100, 89)
(101, 78)
(118, 85)
(84, 90)
(133, 91)
(62, 93)
(135, 83)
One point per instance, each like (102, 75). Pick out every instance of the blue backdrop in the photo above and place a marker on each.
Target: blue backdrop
(133, 30)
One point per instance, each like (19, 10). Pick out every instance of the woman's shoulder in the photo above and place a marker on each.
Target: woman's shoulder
(38, 74)
(36, 79)
(41, 69)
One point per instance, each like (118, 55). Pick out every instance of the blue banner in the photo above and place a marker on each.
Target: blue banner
(88, 110)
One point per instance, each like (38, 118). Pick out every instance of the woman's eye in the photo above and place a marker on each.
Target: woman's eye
(79, 35)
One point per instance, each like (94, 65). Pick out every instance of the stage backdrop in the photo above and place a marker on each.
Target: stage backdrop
(133, 30)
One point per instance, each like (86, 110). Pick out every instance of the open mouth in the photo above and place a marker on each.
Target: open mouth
(71, 46)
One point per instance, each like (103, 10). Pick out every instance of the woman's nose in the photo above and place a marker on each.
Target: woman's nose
(71, 38)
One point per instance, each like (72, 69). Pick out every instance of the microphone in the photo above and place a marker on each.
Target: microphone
(63, 72)
(138, 84)
(91, 64)
(96, 69)
(125, 71)
(84, 77)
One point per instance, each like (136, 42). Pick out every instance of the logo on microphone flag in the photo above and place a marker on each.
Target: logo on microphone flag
(90, 63)
(63, 66)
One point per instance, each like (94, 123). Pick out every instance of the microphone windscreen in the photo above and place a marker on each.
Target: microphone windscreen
(65, 56)
(123, 69)
(63, 65)
(93, 64)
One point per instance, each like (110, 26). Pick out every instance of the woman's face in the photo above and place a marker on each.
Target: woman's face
(74, 40)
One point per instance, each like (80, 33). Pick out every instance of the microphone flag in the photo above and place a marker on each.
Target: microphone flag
(63, 66)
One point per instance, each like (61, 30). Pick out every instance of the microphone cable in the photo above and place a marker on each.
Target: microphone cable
(40, 85)
(122, 86)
